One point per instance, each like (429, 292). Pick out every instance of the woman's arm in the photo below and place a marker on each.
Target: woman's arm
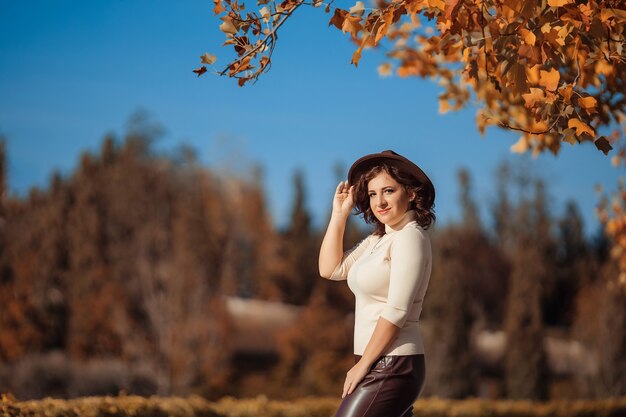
(331, 250)
(384, 333)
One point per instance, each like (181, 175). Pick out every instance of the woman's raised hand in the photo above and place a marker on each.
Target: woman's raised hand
(344, 199)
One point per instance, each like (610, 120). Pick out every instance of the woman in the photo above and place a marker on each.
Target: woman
(388, 272)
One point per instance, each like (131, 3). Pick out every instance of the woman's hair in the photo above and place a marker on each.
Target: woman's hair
(425, 214)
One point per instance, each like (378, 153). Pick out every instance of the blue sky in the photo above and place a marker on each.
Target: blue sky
(73, 71)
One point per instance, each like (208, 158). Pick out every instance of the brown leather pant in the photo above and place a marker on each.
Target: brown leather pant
(388, 390)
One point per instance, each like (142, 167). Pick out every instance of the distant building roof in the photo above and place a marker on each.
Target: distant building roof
(256, 323)
(565, 356)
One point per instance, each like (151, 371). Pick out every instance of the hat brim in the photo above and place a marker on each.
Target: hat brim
(367, 162)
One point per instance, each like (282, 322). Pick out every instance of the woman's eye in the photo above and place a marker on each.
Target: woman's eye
(389, 190)
(372, 195)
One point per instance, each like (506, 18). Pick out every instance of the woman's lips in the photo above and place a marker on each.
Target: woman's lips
(383, 211)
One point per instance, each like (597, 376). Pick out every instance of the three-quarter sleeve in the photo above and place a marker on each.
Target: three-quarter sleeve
(410, 253)
(349, 257)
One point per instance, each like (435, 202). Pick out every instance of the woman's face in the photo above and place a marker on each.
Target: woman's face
(389, 200)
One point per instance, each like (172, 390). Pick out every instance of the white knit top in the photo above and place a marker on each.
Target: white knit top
(389, 276)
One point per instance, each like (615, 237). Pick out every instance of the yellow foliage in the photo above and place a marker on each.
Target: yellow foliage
(528, 36)
(521, 145)
(305, 407)
(549, 79)
(524, 61)
(535, 95)
(532, 73)
(444, 105)
(588, 103)
(581, 127)
(604, 68)
(384, 70)
(559, 3)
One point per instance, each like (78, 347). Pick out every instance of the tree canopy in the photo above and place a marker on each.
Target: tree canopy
(552, 69)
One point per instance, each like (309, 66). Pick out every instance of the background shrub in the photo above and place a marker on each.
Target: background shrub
(305, 407)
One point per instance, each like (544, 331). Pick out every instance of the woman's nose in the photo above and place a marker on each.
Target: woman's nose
(381, 201)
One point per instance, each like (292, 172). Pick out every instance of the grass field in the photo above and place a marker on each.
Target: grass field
(123, 406)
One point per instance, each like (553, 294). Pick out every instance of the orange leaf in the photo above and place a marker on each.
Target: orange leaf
(452, 9)
(407, 68)
(533, 74)
(208, 59)
(603, 67)
(228, 27)
(588, 103)
(581, 127)
(352, 24)
(239, 66)
(559, 3)
(528, 37)
(356, 56)
(384, 70)
(520, 146)
(555, 34)
(200, 70)
(382, 30)
(566, 92)
(338, 18)
(444, 105)
(437, 4)
(608, 13)
(535, 95)
(264, 61)
(531, 53)
(549, 79)
(218, 7)
(414, 6)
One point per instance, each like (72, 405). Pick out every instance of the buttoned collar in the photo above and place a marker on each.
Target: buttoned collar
(408, 217)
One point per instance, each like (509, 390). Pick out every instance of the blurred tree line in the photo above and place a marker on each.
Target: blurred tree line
(114, 276)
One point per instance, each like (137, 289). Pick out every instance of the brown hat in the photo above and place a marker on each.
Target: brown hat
(363, 165)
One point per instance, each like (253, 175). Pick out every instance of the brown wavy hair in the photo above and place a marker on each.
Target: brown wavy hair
(423, 203)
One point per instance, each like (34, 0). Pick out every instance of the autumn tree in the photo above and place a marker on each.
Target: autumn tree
(88, 242)
(484, 264)
(465, 294)
(600, 325)
(612, 214)
(502, 207)
(448, 309)
(471, 215)
(298, 250)
(53, 264)
(525, 357)
(123, 260)
(317, 350)
(573, 265)
(263, 239)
